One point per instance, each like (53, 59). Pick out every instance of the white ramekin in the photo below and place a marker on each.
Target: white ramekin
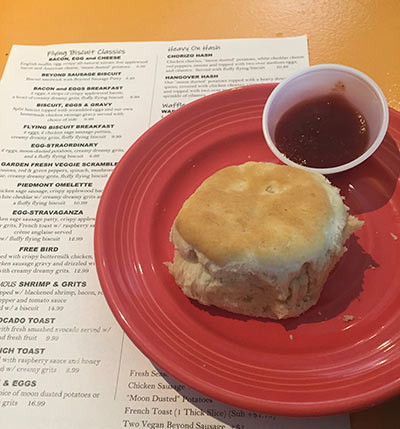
(359, 89)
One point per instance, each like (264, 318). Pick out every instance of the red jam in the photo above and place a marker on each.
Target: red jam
(322, 132)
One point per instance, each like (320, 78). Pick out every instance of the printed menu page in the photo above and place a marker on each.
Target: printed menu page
(67, 115)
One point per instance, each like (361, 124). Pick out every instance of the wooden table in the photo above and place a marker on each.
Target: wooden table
(358, 33)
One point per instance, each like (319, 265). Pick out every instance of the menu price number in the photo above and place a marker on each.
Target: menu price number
(72, 370)
(81, 270)
(55, 307)
(260, 416)
(35, 403)
(52, 338)
(75, 238)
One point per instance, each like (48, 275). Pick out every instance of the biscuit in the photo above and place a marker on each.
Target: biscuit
(260, 239)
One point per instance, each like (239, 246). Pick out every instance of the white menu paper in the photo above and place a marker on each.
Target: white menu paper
(67, 115)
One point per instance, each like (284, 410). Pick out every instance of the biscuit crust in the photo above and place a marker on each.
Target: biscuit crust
(257, 211)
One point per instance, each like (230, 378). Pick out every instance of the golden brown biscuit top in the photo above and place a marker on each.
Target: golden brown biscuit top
(260, 212)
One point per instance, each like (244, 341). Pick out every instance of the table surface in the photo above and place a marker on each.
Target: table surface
(357, 33)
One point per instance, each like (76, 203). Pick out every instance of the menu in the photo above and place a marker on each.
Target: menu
(67, 115)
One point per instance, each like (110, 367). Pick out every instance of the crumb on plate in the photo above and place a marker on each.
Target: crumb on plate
(348, 317)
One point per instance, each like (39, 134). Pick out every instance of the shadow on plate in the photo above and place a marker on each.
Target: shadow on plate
(343, 286)
(371, 185)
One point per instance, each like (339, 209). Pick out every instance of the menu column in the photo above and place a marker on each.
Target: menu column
(65, 125)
